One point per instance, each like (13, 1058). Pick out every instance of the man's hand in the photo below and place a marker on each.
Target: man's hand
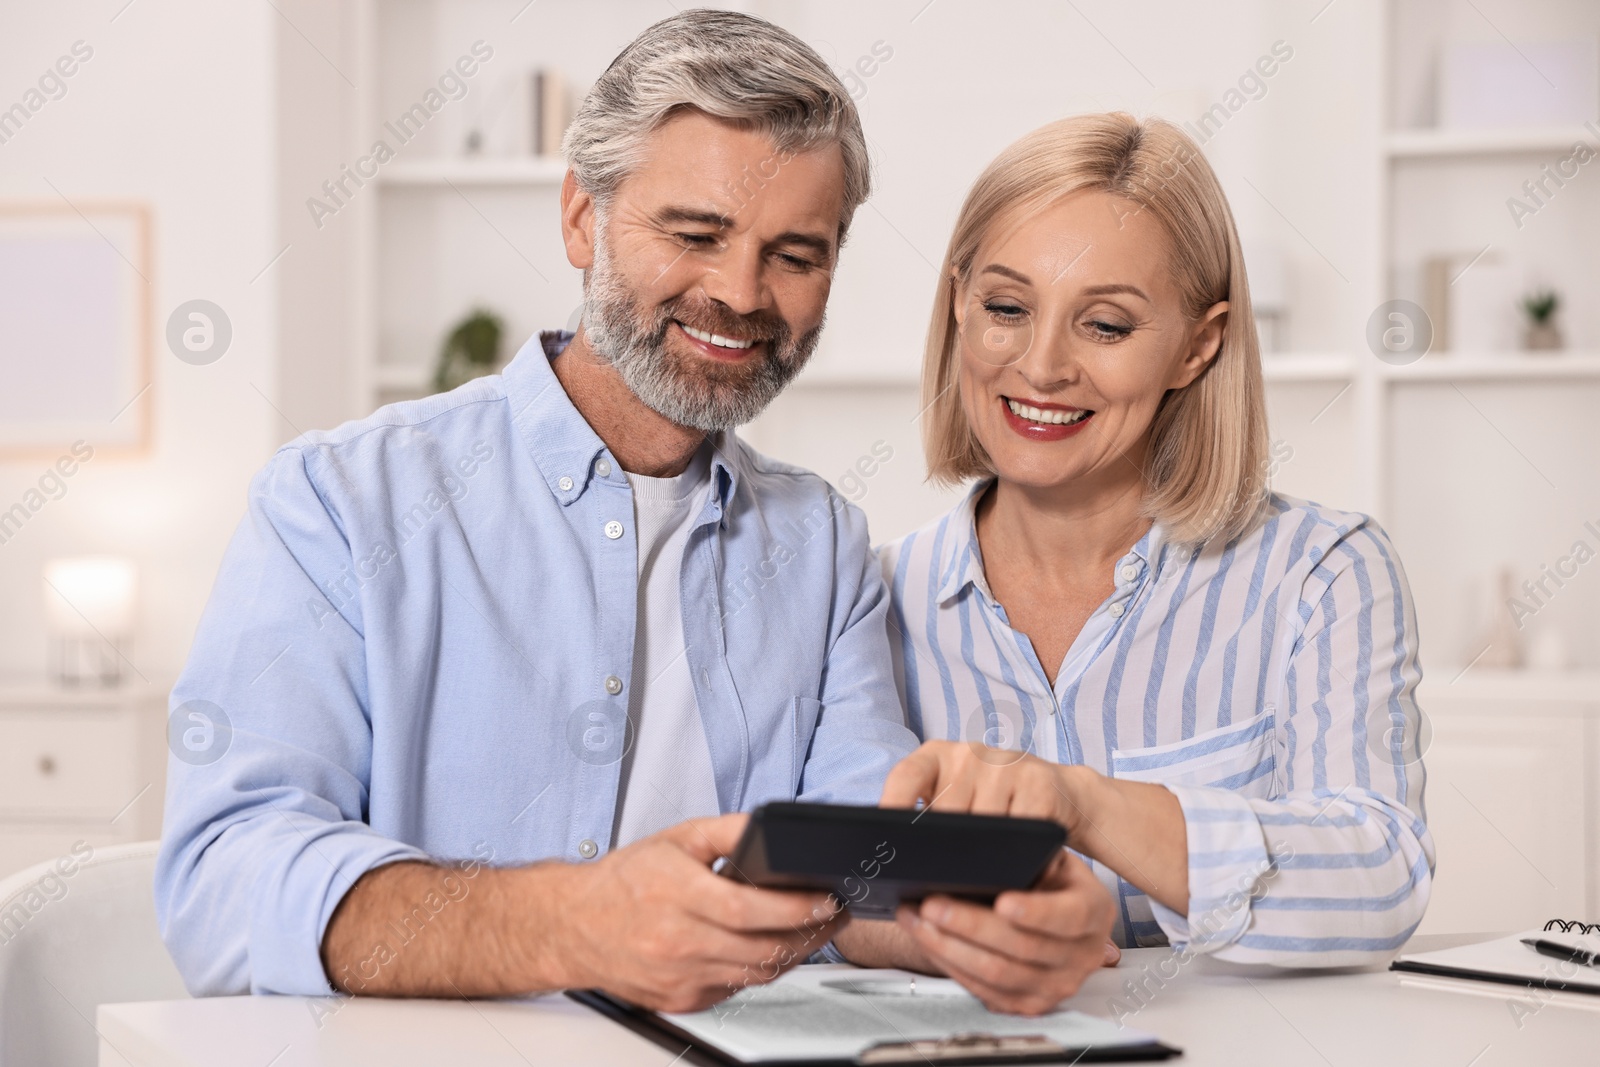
(652, 923)
(649, 922)
(1029, 952)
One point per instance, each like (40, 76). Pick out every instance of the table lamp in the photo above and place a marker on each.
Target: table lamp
(89, 605)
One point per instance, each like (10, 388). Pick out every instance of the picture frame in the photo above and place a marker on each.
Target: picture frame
(75, 324)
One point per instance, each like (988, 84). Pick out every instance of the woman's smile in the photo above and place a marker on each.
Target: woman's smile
(1040, 420)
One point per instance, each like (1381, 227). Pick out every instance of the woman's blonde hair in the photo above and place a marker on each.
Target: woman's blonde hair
(1206, 471)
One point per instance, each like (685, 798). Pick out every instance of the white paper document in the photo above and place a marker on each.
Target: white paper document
(1508, 957)
(819, 1013)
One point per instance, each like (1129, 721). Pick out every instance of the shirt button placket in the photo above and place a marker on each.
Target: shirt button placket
(613, 684)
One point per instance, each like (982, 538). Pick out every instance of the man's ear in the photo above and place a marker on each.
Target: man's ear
(577, 223)
(1204, 343)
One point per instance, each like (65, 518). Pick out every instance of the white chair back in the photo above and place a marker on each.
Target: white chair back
(77, 932)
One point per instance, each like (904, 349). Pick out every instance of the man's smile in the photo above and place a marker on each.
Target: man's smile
(716, 346)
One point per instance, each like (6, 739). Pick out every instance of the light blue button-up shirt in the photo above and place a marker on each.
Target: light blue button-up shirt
(419, 646)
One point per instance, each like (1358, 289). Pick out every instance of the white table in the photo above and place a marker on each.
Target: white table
(1360, 1019)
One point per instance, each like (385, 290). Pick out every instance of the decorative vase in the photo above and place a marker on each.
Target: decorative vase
(1542, 337)
(1500, 644)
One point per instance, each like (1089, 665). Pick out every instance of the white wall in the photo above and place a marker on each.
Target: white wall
(178, 109)
(964, 80)
(175, 110)
(960, 81)
(316, 61)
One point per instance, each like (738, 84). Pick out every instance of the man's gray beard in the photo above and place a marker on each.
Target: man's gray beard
(701, 395)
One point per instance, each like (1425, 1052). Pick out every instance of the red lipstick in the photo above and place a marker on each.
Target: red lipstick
(1043, 431)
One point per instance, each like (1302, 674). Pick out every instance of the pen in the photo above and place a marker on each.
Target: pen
(1562, 952)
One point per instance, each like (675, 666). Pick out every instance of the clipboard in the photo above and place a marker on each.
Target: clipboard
(953, 1050)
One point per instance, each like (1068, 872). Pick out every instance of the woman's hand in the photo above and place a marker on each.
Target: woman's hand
(1032, 949)
(969, 777)
(1136, 829)
(1029, 952)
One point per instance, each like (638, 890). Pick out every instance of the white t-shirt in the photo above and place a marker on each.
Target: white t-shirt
(666, 772)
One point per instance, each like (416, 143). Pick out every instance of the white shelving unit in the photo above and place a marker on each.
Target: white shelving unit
(1434, 144)
(1363, 430)
(1482, 459)
(1498, 366)
(1308, 367)
(1398, 149)
(444, 231)
(529, 171)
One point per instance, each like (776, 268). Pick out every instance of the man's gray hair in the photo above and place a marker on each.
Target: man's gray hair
(728, 65)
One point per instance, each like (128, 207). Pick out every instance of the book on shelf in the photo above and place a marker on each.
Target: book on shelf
(553, 105)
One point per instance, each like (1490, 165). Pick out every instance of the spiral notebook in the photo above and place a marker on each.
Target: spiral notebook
(1508, 961)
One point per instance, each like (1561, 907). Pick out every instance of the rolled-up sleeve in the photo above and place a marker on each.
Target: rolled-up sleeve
(1335, 868)
(266, 799)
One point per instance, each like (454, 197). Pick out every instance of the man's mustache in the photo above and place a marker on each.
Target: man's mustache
(712, 317)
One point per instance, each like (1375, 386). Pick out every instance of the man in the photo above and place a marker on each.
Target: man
(558, 621)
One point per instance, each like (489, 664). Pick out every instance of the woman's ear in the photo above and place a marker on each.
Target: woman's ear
(957, 306)
(1205, 341)
(577, 223)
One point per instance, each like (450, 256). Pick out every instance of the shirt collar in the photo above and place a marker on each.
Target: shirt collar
(961, 563)
(1152, 547)
(567, 451)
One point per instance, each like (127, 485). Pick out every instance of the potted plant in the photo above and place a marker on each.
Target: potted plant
(470, 351)
(1541, 334)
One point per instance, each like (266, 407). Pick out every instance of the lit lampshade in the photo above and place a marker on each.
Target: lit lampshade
(89, 605)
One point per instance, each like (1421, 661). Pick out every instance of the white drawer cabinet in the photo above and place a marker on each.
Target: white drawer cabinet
(1513, 800)
(78, 765)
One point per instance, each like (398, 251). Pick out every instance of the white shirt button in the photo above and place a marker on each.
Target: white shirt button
(613, 685)
(613, 529)
(566, 484)
(603, 468)
(1129, 573)
(588, 849)
(1116, 610)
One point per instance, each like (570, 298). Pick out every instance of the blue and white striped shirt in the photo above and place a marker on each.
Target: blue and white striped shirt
(1268, 683)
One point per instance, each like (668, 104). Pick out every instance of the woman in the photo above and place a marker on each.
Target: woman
(1201, 679)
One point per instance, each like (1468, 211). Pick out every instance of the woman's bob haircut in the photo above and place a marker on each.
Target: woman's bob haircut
(1206, 470)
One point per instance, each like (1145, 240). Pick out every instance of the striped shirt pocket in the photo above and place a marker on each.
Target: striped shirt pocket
(1239, 757)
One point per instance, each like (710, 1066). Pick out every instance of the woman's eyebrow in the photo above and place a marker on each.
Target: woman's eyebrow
(1107, 290)
(1007, 272)
(1093, 290)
